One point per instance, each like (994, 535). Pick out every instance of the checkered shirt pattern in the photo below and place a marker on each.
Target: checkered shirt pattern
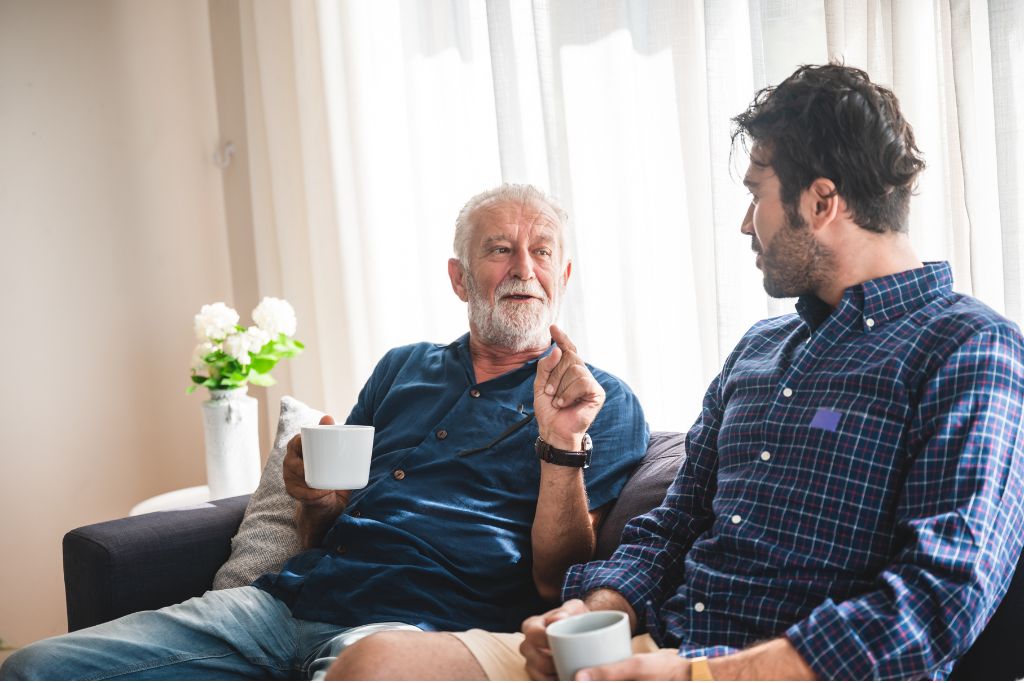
(853, 483)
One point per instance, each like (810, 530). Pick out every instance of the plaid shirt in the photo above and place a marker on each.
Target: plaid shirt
(854, 483)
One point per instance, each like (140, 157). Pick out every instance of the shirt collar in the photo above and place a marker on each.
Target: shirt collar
(461, 348)
(884, 298)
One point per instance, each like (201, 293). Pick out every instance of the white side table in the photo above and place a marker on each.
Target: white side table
(172, 500)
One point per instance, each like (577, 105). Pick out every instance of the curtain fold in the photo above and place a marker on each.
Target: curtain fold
(374, 122)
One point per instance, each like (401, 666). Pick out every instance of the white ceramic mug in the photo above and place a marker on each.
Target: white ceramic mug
(337, 456)
(590, 639)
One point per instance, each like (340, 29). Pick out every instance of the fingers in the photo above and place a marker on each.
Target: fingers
(534, 648)
(576, 386)
(544, 367)
(626, 670)
(561, 359)
(660, 666)
(562, 339)
(539, 663)
(564, 375)
(294, 470)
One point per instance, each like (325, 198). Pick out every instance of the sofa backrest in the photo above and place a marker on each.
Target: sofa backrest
(644, 490)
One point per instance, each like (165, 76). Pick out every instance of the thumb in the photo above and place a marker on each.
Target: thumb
(326, 420)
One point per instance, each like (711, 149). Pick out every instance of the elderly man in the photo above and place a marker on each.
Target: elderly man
(490, 473)
(852, 502)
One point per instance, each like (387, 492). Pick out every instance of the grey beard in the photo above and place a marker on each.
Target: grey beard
(517, 329)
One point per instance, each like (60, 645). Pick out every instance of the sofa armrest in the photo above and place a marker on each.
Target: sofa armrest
(146, 562)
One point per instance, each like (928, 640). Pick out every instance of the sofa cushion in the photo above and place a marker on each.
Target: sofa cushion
(644, 490)
(267, 535)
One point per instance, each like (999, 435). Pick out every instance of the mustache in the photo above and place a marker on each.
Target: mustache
(755, 245)
(519, 287)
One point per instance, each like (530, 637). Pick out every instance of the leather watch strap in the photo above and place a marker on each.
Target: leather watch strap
(557, 456)
(699, 669)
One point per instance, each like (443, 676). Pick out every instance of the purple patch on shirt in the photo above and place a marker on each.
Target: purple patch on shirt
(826, 419)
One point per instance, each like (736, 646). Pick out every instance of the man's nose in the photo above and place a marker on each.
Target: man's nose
(747, 226)
(522, 264)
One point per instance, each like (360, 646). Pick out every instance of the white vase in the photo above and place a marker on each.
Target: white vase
(231, 421)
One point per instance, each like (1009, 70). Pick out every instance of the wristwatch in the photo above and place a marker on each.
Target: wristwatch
(556, 456)
(699, 669)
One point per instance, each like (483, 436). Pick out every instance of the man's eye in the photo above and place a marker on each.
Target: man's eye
(500, 250)
(544, 252)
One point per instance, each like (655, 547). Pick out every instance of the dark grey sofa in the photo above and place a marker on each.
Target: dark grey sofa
(137, 563)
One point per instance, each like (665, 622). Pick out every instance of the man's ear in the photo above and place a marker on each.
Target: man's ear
(457, 274)
(567, 273)
(822, 203)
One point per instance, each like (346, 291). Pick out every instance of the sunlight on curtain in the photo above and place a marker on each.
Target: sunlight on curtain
(409, 93)
(936, 57)
(611, 106)
(621, 109)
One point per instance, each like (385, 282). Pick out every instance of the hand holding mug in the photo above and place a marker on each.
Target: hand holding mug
(540, 665)
(296, 479)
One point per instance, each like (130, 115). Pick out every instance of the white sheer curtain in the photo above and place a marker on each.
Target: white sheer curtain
(392, 113)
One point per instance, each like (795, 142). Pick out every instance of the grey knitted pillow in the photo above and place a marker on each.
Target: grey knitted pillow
(267, 536)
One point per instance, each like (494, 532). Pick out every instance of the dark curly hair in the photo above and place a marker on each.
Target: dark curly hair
(832, 122)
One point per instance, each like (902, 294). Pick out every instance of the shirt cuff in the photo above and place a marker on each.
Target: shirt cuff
(621, 577)
(831, 647)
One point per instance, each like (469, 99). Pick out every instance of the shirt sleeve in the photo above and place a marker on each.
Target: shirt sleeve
(961, 523)
(370, 395)
(648, 564)
(620, 436)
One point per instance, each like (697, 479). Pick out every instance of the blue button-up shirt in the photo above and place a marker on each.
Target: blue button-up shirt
(440, 537)
(854, 482)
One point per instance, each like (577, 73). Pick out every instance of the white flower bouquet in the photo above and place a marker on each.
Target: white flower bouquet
(230, 356)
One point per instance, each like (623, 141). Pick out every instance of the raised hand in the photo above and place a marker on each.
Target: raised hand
(566, 397)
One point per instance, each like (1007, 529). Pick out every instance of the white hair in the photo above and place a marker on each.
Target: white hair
(510, 193)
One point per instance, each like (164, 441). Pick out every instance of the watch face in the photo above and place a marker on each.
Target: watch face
(587, 442)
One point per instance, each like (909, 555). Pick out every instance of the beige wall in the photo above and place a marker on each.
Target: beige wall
(112, 234)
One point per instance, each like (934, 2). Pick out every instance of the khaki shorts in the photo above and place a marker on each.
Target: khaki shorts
(498, 653)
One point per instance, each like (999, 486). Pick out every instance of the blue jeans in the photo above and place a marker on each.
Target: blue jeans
(238, 633)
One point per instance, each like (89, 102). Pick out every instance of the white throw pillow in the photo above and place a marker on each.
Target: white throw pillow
(267, 535)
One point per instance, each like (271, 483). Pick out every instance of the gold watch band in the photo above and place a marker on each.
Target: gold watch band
(699, 669)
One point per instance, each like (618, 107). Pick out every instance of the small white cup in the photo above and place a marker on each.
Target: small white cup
(590, 639)
(337, 456)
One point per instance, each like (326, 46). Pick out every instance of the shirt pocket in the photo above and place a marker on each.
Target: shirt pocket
(837, 476)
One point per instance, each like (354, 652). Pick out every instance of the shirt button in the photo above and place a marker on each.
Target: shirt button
(442, 434)
(398, 474)
(736, 519)
(698, 607)
(787, 392)
(766, 456)
(342, 550)
(870, 322)
(475, 393)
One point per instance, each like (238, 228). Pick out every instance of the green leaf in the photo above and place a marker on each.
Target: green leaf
(190, 389)
(263, 365)
(262, 380)
(211, 383)
(198, 379)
